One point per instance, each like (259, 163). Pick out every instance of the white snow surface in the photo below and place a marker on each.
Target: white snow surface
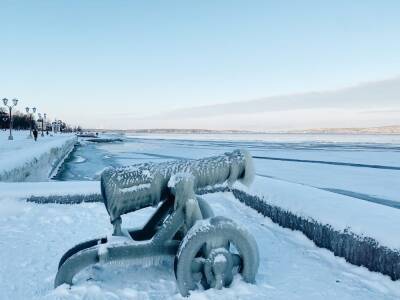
(23, 159)
(24, 190)
(34, 237)
(341, 212)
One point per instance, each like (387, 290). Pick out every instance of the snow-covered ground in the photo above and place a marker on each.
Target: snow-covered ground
(23, 159)
(25, 190)
(34, 236)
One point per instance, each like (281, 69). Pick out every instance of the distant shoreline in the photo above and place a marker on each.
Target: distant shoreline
(386, 130)
(394, 129)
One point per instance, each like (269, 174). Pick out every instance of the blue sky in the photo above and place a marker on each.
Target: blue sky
(90, 61)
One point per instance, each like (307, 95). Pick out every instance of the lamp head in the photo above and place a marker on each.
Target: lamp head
(27, 109)
(34, 109)
(15, 101)
(5, 101)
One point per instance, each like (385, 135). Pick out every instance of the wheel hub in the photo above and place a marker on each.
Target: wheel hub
(218, 268)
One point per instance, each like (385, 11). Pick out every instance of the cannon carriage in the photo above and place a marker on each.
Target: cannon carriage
(208, 250)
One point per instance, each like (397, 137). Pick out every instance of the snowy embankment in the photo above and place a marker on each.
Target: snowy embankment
(34, 237)
(24, 159)
(364, 233)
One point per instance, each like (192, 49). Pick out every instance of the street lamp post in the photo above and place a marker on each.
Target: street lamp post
(15, 102)
(30, 119)
(44, 116)
(57, 126)
(41, 119)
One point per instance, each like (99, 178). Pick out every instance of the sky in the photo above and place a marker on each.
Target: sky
(107, 64)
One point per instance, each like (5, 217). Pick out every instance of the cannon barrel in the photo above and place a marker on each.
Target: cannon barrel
(127, 189)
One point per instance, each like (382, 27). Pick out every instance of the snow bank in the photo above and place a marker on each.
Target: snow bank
(26, 160)
(364, 233)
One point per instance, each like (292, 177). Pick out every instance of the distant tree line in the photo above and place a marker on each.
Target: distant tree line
(20, 121)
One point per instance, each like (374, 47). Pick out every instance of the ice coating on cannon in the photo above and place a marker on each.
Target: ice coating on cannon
(208, 250)
(128, 189)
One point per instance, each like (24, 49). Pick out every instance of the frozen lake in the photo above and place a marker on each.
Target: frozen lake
(365, 167)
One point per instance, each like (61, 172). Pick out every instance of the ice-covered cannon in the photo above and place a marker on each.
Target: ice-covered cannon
(208, 250)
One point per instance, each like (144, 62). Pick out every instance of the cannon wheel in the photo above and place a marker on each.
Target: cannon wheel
(228, 248)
